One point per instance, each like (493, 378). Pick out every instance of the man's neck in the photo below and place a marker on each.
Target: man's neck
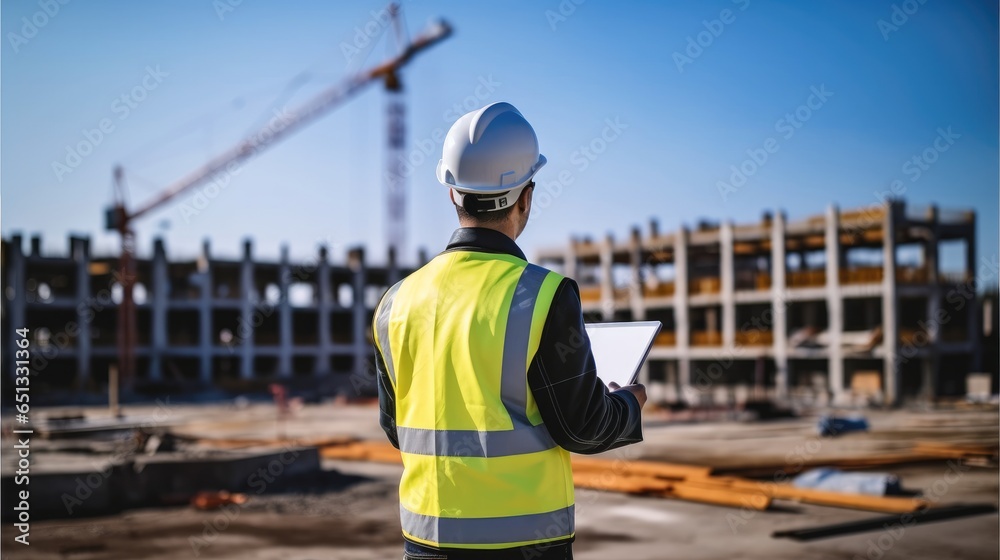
(507, 228)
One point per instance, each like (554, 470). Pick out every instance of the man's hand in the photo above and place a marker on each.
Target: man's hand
(638, 389)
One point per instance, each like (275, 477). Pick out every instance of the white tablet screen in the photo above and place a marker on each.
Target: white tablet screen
(621, 348)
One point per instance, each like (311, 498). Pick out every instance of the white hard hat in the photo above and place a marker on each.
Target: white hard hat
(492, 150)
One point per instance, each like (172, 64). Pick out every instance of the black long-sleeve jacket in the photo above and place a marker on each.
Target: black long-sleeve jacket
(579, 412)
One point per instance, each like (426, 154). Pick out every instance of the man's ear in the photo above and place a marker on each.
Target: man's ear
(524, 200)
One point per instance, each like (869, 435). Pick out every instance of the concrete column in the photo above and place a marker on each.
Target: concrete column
(931, 256)
(80, 253)
(284, 316)
(16, 305)
(932, 263)
(325, 302)
(636, 300)
(890, 330)
(393, 274)
(779, 301)
(205, 314)
(727, 294)
(248, 306)
(569, 267)
(687, 391)
(359, 312)
(974, 310)
(711, 319)
(607, 280)
(970, 248)
(159, 300)
(932, 363)
(834, 306)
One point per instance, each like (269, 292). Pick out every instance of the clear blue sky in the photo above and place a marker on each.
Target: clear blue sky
(683, 121)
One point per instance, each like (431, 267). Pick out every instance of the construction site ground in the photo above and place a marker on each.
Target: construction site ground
(354, 515)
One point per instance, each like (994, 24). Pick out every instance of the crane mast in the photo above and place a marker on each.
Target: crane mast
(394, 218)
(120, 218)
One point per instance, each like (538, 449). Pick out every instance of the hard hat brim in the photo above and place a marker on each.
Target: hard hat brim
(447, 178)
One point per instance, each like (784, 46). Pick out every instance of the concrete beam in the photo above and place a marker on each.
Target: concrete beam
(284, 316)
(160, 295)
(359, 315)
(890, 302)
(248, 308)
(205, 314)
(607, 280)
(80, 253)
(727, 293)
(779, 301)
(325, 305)
(16, 305)
(834, 307)
(681, 315)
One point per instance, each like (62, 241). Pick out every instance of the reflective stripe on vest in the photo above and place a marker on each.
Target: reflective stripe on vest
(476, 531)
(524, 438)
(474, 443)
(469, 481)
(382, 329)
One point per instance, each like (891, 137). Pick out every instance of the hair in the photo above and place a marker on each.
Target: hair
(465, 213)
(495, 217)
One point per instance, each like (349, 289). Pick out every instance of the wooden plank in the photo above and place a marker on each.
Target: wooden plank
(652, 486)
(874, 461)
(617, 483)
(954, 450)
(640, 468)
(685, 482)
(719, 497)
(882, 504)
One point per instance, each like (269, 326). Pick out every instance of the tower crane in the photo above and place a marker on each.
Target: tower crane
(120, 217)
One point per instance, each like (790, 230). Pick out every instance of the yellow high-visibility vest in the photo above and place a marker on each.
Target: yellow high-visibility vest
(480, 468)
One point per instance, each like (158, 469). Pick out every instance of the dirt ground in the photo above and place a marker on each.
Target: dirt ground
(359, 519)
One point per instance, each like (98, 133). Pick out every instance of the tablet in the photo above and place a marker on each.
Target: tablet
(621, 348)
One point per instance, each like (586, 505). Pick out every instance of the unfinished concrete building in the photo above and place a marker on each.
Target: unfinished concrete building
(201, 322)
(832, 308)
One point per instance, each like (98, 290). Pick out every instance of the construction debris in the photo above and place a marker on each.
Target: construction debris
(880, 523)
(215, 500)
(962, 451)
(832, 426)
(667, 480)
(834, 480)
